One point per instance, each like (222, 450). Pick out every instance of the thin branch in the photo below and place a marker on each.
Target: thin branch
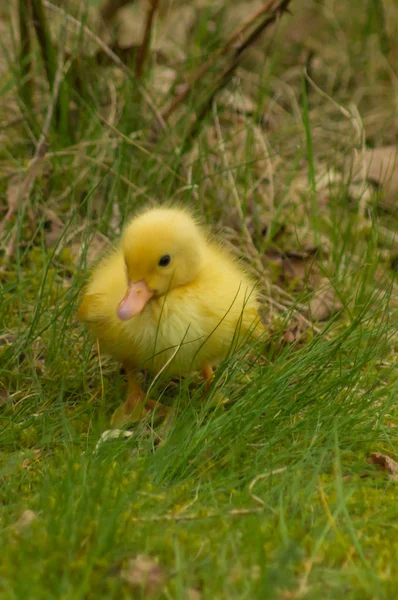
(224, 78)
(235, 35)
(44, 38)
(143, 49)
(25, 60)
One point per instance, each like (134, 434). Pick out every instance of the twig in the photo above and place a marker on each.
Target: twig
(143, 49)
(111, 55)
(43, 36)
(226, 75)
(25, 61)
(236, 34)
(18, 120)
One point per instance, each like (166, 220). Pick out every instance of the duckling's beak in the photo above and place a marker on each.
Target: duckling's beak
(137, 295)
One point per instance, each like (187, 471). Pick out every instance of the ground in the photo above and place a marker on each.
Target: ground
(286, 146)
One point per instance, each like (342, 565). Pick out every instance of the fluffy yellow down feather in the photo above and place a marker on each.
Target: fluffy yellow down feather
(169, 299)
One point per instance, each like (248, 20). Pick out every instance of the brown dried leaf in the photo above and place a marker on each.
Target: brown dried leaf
(300, 268)
(304, 24)
(35, 456)
(143, 573)
(7, 339)
(175, 35)
(390, 465)
(53, 228)
(3, 397)
(193, 594)
(295, 332)
(109, 8)
(130, 24)
(238, 101)
(325, 303)
(163, 79)
(380, 166)
(291, 334)
(26, 518)
(14, 190)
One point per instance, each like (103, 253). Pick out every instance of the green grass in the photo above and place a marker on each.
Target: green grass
(273, 496)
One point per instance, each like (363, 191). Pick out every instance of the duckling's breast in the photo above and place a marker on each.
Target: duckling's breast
(166, 336)
(179, 335)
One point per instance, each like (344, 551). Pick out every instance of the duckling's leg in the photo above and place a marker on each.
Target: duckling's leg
(137, 404)
(134, 407)
(208, 375)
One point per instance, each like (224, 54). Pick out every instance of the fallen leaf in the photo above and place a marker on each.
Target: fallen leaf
(3, 397)
(299, 268)
(238, 101)
(35, 456)
(291, 334)
(386, 462)
(296, 332)
(193, 594)
(379, 166)
(53, 228)
(109, 8)
(14, 189)
(163, 78)
(130, 24)
(324, 303)
(174, 37)
(26, 518)
(143, 573)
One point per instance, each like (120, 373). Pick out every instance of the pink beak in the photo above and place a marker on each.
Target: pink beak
(137, 295)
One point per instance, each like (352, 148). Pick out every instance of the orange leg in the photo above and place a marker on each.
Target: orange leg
(136, 405)
(208, 375)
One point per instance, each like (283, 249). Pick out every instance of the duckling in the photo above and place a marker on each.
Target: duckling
(169, 300)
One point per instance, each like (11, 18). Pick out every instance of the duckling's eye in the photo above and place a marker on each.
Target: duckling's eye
(165, 260)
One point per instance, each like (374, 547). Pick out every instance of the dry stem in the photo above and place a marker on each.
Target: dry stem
(25, 62)
(143, 49)
(235, 35)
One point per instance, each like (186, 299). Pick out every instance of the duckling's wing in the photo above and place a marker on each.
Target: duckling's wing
(91, 309)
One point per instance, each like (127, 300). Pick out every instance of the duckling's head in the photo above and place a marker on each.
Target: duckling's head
(163, 249)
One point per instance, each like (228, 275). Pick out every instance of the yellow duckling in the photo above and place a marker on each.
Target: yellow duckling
(169, 300)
